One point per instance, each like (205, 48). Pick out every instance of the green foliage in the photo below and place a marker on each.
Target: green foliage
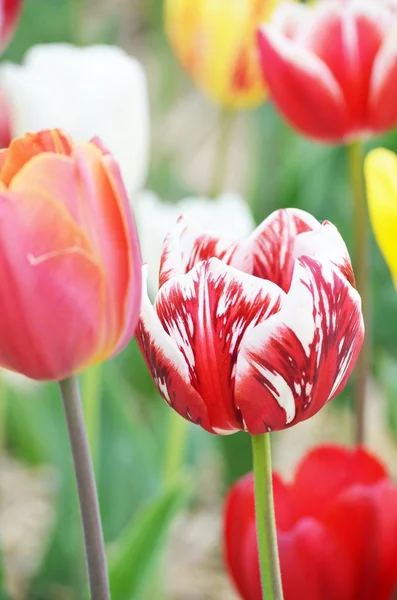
(136, 551)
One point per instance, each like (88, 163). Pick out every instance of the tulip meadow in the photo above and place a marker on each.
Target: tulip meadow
(198, 305)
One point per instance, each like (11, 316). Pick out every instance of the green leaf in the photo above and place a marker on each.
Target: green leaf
(136, 551)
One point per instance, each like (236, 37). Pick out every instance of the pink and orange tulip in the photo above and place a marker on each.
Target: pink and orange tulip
(69, 257)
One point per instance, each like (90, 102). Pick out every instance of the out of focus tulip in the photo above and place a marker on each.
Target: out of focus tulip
(226, 214)
(253, 335)
(9, 13)
(336, 525)
(332, 68)
(381, 180)
(216, 44)
(69, 257)
(92, 91)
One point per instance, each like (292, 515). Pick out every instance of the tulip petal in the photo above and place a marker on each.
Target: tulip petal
(207, 312)
(108, 226)
(168, 366)
(226, 214)
(272, 244)
(289, 366)
(48, 323)
(303, 87)
(356, 32)
(314, 488)
(381, 178)
(312, 565)
(382, 111)
(185, 246)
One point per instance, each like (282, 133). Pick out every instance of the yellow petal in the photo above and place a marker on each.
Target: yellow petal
(381, 180)
(216, 43)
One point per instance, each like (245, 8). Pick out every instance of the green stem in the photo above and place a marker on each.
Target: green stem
(225, 128)
(89, 506)
(265, 519)
(91, 393)
(360, 219)
(175, 447)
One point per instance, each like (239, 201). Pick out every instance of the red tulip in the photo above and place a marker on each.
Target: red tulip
(9, 14)
(332, 69)
(69, 256)
(255, 335)
(336, 524)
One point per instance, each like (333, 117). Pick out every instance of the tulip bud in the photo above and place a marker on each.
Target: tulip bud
(254, 334)
(331, 69)
(216, 44)
(381, 179)
(69, 257)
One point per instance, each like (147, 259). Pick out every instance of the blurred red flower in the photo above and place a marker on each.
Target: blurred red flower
(9, 13)
(332, 68)
(337, 529)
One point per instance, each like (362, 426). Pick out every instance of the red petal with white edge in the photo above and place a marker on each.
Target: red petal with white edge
(357, 32)
(302, 87)
(168, 367)
(206, 313)
(291, 365)
(272, 244)
(325, 243)
(184, 247)
(382, 112)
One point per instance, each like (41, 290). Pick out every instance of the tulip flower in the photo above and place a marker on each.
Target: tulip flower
(69, 257)
(253, 335)
(91, 91)
(9, 14)
(331, 68)
(216, 44)
(336, 525)
(226, 214)
(381, 177)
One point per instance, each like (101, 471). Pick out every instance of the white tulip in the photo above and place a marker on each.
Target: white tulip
(93, 91)
(228, 214)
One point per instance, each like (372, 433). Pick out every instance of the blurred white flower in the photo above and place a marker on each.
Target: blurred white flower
(93, 91)
(228, 214)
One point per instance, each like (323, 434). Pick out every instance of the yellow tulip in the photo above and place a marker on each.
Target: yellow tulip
(381, 180)
(215, 40)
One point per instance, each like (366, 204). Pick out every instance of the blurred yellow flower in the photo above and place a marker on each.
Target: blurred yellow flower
(215, 40)
(381, 180)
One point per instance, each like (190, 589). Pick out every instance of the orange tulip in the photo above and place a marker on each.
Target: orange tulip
(216, 44)
(69, 257)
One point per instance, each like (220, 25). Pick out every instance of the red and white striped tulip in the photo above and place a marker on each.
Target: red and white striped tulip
(331, 69)
(255, 335)
(70, 263)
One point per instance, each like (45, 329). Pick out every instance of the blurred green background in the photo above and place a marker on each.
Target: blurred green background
(272, 167)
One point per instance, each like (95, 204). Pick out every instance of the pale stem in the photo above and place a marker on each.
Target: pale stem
(89, 506)
(225, 128)
(360, 226)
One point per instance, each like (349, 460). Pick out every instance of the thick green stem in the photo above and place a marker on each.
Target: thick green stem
(362, 278)
(265, 519)
(226, 119)
(91, 394)
(175, 446)
(89, 507)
